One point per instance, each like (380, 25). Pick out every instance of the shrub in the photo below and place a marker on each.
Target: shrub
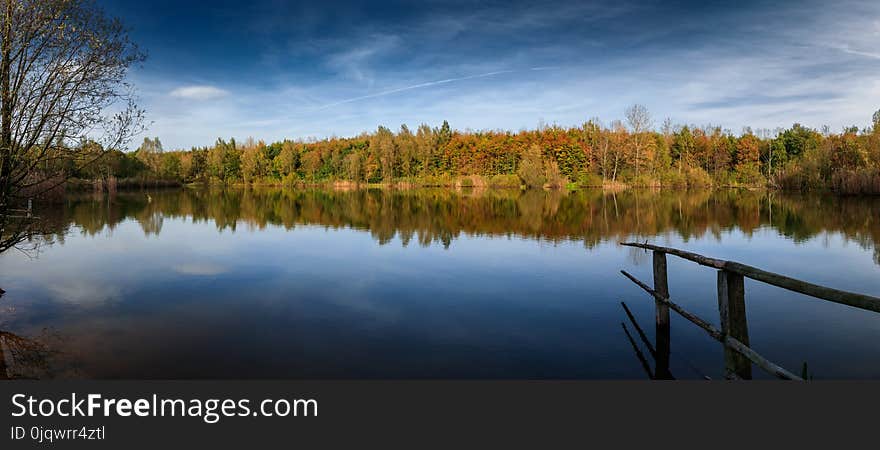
(674, 179)
(531, 168)
(504, 181)
(555, 180)
(589, 179)
(749, 175)
(697, 177)
(444, 180)
(723, 178)
(810, 172)
(644, 180)
(857, 181)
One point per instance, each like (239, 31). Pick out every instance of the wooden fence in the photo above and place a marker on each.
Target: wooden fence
(734, 333)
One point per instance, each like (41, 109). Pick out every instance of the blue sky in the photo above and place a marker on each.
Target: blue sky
(273, 69)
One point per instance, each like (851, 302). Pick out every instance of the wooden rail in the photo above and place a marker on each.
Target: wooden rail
(738, 356)
(813, 290)
(719, 336)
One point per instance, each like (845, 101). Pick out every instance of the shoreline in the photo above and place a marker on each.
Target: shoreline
(84, 186)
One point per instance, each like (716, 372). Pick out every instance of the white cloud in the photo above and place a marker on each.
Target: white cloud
(357, 63)
(203, 92)
(84, 292)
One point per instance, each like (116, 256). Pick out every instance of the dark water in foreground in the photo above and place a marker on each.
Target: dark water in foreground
(270, 283)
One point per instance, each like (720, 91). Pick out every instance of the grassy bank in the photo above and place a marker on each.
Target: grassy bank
(793, 178)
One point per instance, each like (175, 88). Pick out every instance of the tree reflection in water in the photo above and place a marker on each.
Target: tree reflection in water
(30, 358)
(439, 216)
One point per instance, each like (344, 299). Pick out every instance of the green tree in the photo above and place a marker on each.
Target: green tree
(847, 151)
(407, 150)
(150, 153)
(171, 166)
(799, 139)
(776, 157)
(287, 160)
(254, 161)
(353, 169)
(311, 164)
(444, 134)
(426, 147)
(383, 142)
(683, 145)
(223, 161)
(662, 156)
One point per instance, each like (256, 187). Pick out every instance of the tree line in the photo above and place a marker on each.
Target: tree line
(628, 152)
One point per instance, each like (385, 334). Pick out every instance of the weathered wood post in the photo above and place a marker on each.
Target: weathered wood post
(661, 318)
(732, 308)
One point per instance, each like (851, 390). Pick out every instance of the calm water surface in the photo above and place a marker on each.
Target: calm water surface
(271, 283)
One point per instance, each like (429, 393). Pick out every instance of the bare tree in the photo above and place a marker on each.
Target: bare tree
(617, 135)
(639, 120)
(63, 67)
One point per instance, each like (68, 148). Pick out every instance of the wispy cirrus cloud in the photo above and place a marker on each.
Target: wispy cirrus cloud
(488, 64)
(416, 86)
(867, 54)
(199, 92)
(357, 63)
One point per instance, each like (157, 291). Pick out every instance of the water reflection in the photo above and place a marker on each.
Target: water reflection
(441, 216)
(276, 283)
(30, 358)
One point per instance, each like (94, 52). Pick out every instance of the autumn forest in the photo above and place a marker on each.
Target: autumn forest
(623, 153)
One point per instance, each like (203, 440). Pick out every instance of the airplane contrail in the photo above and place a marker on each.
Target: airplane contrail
(415, 86)
(847, 49)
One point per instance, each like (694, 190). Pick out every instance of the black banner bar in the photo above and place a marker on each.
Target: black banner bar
(430, 414)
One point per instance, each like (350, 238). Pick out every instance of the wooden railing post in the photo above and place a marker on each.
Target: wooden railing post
(661, 286)
(732, 308)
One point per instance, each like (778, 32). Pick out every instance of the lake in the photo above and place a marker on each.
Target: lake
(282, 283)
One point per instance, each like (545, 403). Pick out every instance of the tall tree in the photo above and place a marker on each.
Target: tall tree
(384, 145)
(150, 154)
(444, 134)
(639, 120)
(426, 146)
(683, 146)
(748, 151)
(405, 142)
(286, 161)
(62, 68)
(254, 160)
